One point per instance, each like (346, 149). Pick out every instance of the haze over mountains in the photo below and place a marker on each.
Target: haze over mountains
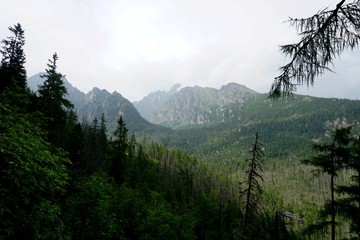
(175, 108)
(216, 123)
(97, 102)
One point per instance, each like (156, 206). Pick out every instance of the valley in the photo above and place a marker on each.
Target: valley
(217, 127)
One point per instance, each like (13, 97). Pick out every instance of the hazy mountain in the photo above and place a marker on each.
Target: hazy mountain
(220, 124)
(114, 105)
(287, 127)
(74, 95)
(195, 105)
(96, 102)
(154, 102)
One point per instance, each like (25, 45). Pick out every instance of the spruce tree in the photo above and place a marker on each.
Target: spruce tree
(120, 149)
(55, 107)
(53, 89)
(331, 158)
(253, 189)
(12, 69)
(349, 206)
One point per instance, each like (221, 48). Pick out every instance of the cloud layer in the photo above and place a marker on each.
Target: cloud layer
(136, 47)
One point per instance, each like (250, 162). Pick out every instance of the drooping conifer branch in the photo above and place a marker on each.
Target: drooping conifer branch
(323, 36)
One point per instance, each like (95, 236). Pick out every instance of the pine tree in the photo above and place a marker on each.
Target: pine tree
(323, 36)
(12, 69)
(331, 159)
(53, 89)
(350, 205)
(253, 189)
(120, 149)
(55, 107)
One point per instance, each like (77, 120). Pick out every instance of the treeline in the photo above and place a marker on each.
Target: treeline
(287, 127)
(65, 179)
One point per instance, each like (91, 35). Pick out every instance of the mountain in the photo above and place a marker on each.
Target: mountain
(287, 128)
(195, 105)
(154, 102)
(220, 124)
(74, 95)
(113, 105)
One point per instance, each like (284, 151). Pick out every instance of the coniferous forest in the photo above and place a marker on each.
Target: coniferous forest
(65, 178)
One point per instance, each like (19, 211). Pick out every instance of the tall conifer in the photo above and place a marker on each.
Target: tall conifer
(331, 158)
(253, 189)
(12, 69)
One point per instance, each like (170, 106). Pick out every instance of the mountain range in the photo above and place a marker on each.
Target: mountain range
(113, 105)
(195, 105)
(216, 123)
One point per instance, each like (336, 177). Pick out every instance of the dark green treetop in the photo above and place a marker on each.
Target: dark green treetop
(12, 69)
(53, 88)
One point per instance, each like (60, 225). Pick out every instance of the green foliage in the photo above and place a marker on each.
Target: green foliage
(53, 90)
(12, 69)
(349, 205)
(118, 188)
(89, 209)
(287, 128)
(57, 110)
(120, 147)
(331, 158)
(93, 144)
(33, 178)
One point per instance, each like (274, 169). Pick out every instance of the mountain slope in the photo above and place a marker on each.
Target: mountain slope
(219, 125)
(154, 102)
(287, 127)
(74, 95)
(199, 105)
(113, 105)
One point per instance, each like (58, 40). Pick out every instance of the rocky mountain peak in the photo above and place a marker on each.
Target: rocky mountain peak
(195, 105)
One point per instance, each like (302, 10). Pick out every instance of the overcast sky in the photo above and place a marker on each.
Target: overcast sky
(136, 47)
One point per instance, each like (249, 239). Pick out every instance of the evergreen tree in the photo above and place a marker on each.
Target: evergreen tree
(12, 69)
(76, 151)
(120, 150)
(323, 36)
(53, 89)
(253, 190)
(350, 205)
(55, 107)
(332, 157)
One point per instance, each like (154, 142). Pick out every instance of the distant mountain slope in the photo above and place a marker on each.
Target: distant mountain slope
(220, 124)
(74, 95)
(197, 105)
(287, 127)
(154, 102)
(114, 105)
(96, 102)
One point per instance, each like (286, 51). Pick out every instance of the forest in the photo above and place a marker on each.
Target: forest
(62, 178)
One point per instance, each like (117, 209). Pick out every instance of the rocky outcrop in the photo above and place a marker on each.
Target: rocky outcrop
(199, 105)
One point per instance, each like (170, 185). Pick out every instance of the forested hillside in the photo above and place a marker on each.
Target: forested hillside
(287, 126)
(65, 179)
(249, 177)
